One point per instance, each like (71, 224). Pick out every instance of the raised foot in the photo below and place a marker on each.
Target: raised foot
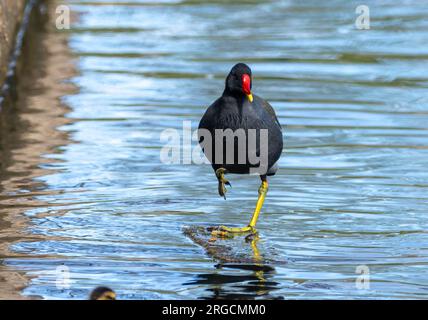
(222, 182)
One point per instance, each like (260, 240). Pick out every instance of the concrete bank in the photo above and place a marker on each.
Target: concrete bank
(11, 14)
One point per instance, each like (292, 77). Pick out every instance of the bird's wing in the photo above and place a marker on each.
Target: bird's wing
(269, 109)
(208, 120)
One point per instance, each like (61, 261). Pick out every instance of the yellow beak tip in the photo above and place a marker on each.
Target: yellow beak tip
(250, 97)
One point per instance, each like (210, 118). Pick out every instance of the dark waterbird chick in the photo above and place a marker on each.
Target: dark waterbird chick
(102, 293)
(235, 115)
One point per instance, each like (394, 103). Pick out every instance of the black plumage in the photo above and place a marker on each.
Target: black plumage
(233, 110)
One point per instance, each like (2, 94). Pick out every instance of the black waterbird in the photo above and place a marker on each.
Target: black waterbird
(239, 110)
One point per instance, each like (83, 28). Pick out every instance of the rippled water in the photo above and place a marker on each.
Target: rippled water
(351, 191)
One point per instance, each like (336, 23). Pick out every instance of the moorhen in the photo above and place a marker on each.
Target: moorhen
(251, 130)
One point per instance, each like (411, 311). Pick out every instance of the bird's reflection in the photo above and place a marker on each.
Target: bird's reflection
(233, 280)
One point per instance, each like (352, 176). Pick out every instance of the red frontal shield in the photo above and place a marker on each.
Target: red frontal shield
(246, 84)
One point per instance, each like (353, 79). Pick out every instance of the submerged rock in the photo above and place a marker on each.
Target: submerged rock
(240, 250)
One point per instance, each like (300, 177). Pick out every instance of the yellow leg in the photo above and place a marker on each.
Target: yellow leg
(225, 231)
(262, 194)
(256, 251)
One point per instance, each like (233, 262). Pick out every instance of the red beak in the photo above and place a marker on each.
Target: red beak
(246, 84)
